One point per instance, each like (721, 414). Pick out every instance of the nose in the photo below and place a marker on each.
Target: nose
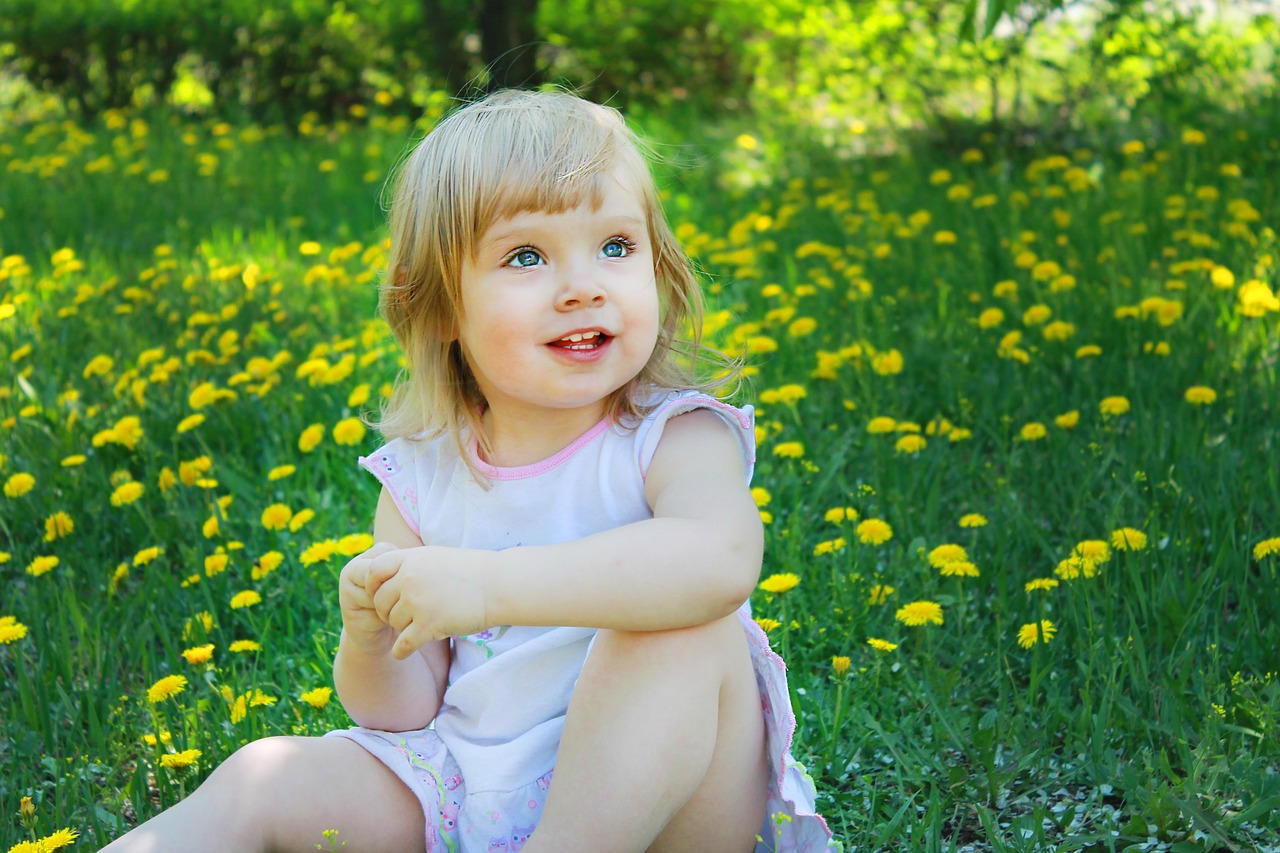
(580, 287)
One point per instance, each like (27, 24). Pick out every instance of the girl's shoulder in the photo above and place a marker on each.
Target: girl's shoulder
(660, 407)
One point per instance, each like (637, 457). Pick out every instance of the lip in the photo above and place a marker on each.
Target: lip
(584, 331)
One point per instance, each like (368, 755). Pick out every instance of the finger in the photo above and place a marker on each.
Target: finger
(387, 597)
(412, 638)
(381, 569)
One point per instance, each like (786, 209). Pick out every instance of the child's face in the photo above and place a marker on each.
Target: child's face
(540, 280)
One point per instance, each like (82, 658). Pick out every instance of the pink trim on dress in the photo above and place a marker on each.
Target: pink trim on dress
(520, 472)
(385, 479)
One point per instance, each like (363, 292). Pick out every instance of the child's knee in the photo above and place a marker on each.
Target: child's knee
(697, 645)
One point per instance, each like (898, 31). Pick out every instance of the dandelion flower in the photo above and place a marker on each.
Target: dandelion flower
(317, 698)
(840, 514)
(830, 546)
(353, 544)
(319, 552)
(146, 555)
(1032, 633)
(1200, 395)
(180, 760)
(887, 363)
(1128, 539)
(780, 583)
(1067, 420)
(1093, 550)
(216, 564)
(1033, 431)
(911, 443)
(1114, 406)
(766, 624)
(245, 598)
(840, 665)
(973, 519)
(881, 645)
(880, 593)
(761, 496)
(57, 526)
(19, 484)
(11, 630)
(350, 431)
(126, 493)
(959, 568)
(266, 564)
(300, 518)
(881, 425)
(276, 517)
(920, 613)
(1040, 585)
(56, 841)
(311, 437)
(873, 531)
(281, 471)
(190, 422)
(198, 654)
(166, 688)
(41, 565)
(242, 646)
(1266, 548)
(789, 450)
(948, 553)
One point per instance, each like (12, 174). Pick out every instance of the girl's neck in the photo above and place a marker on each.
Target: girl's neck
(517, 439)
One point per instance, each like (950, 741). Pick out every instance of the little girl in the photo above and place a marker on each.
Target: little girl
(548, 650)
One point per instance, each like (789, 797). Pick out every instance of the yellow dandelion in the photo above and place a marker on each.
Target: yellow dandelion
(919, 613)
(840, 514)
(353, 544)
(350, 431)
(887, 363)
(1094, 550)
(959, 569)
(311, 437)
(830, 546)
(1114, 406)
(245, 598)
(11, 630)
(198, 654)
(777, 584)
(1040, 585)
(241, 646)
(300, 518)
(57, 526)
(1033, 431)
(266, 564)
(761, 496)
(1200, 395)
(947, 553)
(880, 593)
(146, 555)
(910, 443)
(973, 519)
(19, 484)
(990, 318)
(840, 665)
(881, 425)
(166, 688)
(1068, 420)
(126, 493)
(881, 645)
(281, 471)
(180, 760)
(873, 531)
(276, 517)
(766, 624)
(216, 564)
(1128, 539)
(1030, 634)
(1266, 548)
(317, 698)
(42, 565)
(789, 450)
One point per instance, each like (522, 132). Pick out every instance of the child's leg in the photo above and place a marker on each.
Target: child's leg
(281, 794)
(663, 747)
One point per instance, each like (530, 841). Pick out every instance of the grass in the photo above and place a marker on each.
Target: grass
(889, 308)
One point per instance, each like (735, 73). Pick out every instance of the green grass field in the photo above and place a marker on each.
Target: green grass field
(995, 392)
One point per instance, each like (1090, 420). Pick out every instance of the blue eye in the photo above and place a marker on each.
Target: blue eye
(524, 258)
(618, 247)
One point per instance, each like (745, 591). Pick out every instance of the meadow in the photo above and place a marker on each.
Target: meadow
(1018, 431)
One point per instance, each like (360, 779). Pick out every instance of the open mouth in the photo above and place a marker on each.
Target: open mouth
(582, 341)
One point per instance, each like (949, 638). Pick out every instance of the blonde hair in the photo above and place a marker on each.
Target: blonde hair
(512, 152)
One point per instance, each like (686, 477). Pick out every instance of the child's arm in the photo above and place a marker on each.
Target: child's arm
(377, 690)
(696, 560)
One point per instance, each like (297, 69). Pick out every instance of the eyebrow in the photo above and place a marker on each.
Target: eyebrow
(509, 234)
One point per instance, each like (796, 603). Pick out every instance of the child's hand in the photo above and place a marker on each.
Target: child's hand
(429, 593)
(360, 620)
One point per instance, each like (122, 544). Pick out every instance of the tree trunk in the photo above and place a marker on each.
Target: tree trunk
(445, 28)
(508, 42)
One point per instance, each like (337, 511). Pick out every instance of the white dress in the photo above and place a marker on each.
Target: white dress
(483, 767)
